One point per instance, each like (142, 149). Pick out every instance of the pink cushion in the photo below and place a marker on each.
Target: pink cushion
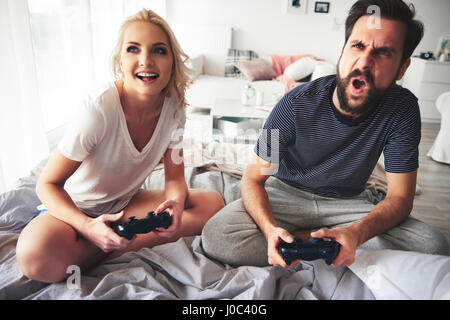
(257, 69)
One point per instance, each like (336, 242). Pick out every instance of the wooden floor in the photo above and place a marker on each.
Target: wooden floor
(432, 205)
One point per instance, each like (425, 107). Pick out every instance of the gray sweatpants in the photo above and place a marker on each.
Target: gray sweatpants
(231, 236)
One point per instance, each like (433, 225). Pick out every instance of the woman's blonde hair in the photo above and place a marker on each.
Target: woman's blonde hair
(180, 77)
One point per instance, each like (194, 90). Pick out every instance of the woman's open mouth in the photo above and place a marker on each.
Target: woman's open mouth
(147, 77)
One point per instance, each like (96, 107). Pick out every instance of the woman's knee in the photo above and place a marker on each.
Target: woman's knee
(44, 255)
(36, 265)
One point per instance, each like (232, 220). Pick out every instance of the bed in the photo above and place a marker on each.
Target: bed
(181, 271)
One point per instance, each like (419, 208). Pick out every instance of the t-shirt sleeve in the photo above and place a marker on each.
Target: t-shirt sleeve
(278, 132)
(176, 140)
(83, 133)
(401, 152)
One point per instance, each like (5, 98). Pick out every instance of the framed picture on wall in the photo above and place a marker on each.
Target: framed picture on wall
(322, 7)
(296, 6)
(443, 48)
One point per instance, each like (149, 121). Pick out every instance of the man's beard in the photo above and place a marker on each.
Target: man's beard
(372, 99)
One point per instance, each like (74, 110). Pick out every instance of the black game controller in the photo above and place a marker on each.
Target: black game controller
(315, 248)
(151, 222)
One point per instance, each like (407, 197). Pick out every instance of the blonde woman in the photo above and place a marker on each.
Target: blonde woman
(92, 180)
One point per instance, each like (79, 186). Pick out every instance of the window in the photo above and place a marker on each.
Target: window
(72, 44)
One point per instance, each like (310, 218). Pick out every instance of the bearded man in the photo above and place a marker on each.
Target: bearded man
(319, 147)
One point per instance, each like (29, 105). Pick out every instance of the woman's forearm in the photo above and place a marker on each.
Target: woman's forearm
(176, 190)
(60, 205)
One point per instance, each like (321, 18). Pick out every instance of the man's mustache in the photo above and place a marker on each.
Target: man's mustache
(357, 72)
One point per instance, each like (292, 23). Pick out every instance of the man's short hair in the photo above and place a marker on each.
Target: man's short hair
(393, 10)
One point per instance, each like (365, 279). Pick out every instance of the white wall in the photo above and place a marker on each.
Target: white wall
(263, 25)
(435, 16)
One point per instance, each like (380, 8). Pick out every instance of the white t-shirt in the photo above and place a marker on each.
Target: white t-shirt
(112, 169)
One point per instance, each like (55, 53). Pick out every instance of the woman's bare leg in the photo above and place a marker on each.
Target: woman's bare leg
(48, 246)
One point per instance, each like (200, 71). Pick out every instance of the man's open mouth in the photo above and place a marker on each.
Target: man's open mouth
(358, 84)
(147, 76)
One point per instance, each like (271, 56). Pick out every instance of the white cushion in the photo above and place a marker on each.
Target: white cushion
(195, 63)
(323, 69)
(268, 59)
(300, 68)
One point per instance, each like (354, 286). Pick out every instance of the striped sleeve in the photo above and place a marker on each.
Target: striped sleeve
(278, 132)
(401, 152)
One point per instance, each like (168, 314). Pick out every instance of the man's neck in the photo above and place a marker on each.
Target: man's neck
(346, 115)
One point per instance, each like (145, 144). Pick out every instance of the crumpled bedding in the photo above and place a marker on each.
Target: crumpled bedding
(178, 270)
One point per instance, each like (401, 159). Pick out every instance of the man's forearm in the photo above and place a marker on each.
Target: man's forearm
(256, 202)
(386, 215)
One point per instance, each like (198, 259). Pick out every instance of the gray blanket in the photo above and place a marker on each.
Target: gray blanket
(176, 270)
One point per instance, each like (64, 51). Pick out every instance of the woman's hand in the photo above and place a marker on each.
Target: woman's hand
(175, 209)
(99, 232)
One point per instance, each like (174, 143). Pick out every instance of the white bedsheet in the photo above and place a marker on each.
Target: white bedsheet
(393, 274)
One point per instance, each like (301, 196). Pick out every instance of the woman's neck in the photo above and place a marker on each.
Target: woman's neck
(139, 105)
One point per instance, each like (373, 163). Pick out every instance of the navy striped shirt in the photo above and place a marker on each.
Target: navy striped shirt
(320, 152)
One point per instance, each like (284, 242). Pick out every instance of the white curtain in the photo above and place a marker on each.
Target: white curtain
(52, 53)
(22, 136)
(72, 42)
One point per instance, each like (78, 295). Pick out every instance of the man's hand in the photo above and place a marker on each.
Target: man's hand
(273, 239)
(348, 240)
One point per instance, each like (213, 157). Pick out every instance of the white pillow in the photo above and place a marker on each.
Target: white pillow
(323, 69)
(196, 64)
(268, 59)
(300, 68)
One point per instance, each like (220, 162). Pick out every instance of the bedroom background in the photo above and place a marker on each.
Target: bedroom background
(54, 51)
